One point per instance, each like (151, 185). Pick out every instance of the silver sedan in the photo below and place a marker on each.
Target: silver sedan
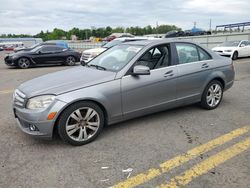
(124, 82)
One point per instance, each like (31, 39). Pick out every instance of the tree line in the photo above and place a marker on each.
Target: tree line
(84, 34)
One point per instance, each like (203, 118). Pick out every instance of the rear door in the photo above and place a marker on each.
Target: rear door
(194, 65)
(149, 93)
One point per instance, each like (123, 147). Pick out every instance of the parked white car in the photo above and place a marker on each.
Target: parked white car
(234, 49)
(90, 54)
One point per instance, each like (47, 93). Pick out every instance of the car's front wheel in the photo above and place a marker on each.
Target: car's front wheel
(71, 60)
(235, 55)
(212, 95)
(23, 63)
(81, 123)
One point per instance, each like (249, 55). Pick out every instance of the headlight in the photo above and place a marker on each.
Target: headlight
(228, 50)
(40, 102)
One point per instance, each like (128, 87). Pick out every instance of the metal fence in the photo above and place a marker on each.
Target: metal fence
(84, 45)
(211, 41)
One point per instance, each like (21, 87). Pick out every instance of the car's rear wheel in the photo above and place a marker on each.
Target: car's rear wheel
(23, 63)
(212, 95)
(81, 123)
(235, 55)
(71, 61)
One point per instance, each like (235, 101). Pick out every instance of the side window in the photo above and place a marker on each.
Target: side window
(47, 49)
(58, 49)
(203, 54)
(156, 57)
(187, 53)
(245, 43)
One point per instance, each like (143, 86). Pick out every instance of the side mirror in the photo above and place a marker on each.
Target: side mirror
(141, 70)
(242, 45)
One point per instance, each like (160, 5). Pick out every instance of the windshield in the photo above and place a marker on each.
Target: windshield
(230, 43)
(36, 48)
(112, 43)
(115, 58)
(35, 45)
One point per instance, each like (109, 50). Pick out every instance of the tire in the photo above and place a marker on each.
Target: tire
(23, 63)
(70, 61)
(235, 55)
(79, 129)
(212, 95)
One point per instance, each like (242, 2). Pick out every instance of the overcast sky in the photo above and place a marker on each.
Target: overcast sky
(32, 16)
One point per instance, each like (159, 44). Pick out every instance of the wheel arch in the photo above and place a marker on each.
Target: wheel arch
(219, 76)
(74, 102)
(29, 58)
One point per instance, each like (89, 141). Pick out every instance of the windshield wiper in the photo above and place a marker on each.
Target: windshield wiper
(97, 67)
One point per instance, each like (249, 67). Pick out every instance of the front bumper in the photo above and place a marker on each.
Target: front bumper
(9, 61)
(85, 59)
(44, 128)
(223, 53)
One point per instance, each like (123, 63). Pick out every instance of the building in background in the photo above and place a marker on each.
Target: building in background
(25, 41)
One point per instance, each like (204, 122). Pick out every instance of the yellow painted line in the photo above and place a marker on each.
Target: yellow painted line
(208, 164)
(6, 91)
(180, 159)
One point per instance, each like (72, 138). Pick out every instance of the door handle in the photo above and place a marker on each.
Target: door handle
(169, 73)
(204, 66)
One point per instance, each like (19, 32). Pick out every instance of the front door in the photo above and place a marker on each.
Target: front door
(150, 93)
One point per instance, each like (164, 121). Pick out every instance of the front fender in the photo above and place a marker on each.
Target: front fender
(107, 94)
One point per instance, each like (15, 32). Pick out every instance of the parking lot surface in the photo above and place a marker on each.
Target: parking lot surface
(187, 146)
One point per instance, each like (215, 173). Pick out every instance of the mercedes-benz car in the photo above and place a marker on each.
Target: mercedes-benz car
(127, 81)
(234, 49)
(43, 55)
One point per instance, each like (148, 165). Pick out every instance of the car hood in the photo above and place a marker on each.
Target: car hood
(20, 53)
(95, 50)
(223, 48)
(65, 81)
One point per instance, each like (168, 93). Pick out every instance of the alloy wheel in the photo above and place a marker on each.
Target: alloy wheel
(214, 95)
(82, 124)
(70, 60)
(23, 63)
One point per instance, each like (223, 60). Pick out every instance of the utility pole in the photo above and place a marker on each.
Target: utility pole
(157, 29)
(210, 25)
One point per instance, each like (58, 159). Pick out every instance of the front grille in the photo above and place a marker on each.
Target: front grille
(85, 56)
(19, 99)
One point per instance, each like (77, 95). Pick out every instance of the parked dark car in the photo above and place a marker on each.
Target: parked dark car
(174, 33)
(57, 43)
(46, 54)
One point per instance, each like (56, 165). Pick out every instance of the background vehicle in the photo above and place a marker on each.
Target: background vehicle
(174, 33)
(234, 49)
(118, 35)
(57, 43)
(45, 54)
(193, 32)
(126, 81)
(9, 46)
(88, 55)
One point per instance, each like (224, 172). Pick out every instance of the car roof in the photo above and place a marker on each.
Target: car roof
(159, 41)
